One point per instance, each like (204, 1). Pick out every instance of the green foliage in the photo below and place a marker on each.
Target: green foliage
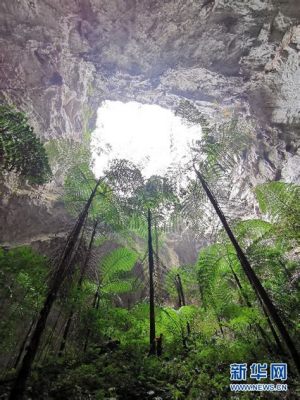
(125, 178)
(137, 193)
(222, 320)
(280, 201)
(20, 150)
(156, 192)
(127, 372)
(188, 276)
(213, 271)
(268, 245)
(222, 147)
(221, 144)
(173, 325)
(115, 270)
(22, 268)
(252, 230)
(23, 275)
(66, 154)
(225, 291)
(106, 207)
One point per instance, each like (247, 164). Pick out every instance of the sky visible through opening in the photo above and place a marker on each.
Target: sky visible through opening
(148, 135)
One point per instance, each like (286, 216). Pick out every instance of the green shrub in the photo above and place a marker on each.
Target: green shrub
(20, 150)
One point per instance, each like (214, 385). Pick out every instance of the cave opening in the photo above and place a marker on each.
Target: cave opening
(148, 135)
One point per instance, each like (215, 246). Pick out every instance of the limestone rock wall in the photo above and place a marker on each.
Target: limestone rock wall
(60, 58)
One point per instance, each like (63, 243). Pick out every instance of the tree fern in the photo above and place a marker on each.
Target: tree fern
(115, 271)
(280, 201)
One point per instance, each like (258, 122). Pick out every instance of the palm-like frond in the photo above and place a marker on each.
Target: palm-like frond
(251, 231)
(213, 274)
(119, 286)
(119, 260)
(115, 271)
(281, 202)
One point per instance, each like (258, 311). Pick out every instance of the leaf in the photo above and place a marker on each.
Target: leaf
(119, 260)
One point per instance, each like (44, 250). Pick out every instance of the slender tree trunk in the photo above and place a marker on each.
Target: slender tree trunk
(181, 290)
(251, 275)
(44, 351)
(79, 284)
(19, 384)
(96, 302)
(183, 301)
(219, 323)
(157, 271)
(16, 363)
(247, 301)
(269, 321)
(184, 339)
(178, 292)
(13, 361)
(69, 320)
(18, 388)
(152, 349)
(65, 334)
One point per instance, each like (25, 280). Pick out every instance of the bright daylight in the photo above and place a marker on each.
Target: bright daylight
(148, 135)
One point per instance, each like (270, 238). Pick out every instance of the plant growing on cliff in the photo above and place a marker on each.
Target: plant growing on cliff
(213, 158)
(21, 150)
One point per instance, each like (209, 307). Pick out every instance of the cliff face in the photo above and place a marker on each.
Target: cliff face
(60, 59)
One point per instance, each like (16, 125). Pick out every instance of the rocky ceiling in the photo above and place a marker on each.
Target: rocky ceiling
(60, 59)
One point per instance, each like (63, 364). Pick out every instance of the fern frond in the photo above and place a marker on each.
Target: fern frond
(119, 260)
